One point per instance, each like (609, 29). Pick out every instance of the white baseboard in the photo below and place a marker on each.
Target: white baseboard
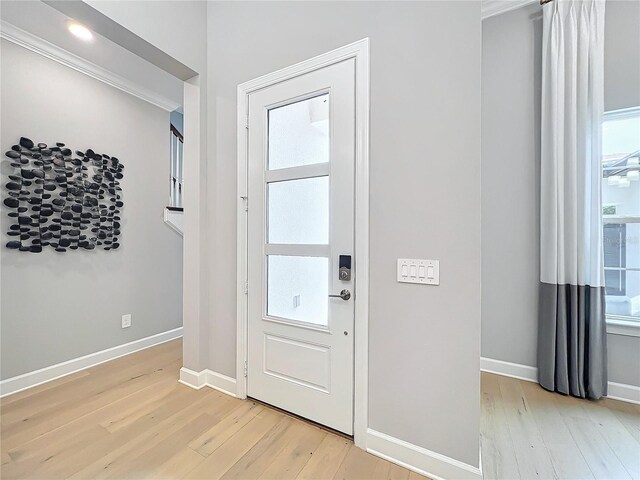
(616, 391)
(425, 462)
(208, 378)
(47, 374)
(222, 383)
(193, 379)
(508, 369)
(624, 392)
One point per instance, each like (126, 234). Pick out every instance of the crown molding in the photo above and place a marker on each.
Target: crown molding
(491, 8)
(42, 47)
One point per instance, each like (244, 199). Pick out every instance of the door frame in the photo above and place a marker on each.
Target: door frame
(360, 52)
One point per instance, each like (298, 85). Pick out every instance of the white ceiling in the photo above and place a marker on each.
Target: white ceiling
(50, 25)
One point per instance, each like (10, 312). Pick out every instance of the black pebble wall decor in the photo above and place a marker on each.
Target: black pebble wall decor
(61, 200)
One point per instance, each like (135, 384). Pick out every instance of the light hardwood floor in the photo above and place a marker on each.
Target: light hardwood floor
(130, 418)
(530, 433)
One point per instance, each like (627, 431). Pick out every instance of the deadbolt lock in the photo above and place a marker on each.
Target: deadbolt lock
(344, 268)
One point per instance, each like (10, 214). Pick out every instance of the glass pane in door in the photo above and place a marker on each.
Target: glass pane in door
(299, 133)
(298, 211)
(297, 288)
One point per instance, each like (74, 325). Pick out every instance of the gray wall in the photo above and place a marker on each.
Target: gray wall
(151, 20)
(425, 194)
(56, 307)
(511, 72)
(511, 60)
(622, 54)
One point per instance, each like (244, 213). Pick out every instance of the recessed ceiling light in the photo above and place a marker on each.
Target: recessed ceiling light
(80, 31)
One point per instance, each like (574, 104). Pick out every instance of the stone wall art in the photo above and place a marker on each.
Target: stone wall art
(63, 200)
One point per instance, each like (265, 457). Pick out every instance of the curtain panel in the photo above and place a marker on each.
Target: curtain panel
(572, 340)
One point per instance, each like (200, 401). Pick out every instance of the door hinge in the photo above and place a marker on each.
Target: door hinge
(246, 287)
(245, 199)
(246, 122)
(245, 369)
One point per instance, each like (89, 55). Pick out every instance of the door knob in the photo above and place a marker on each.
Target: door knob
(344, 294)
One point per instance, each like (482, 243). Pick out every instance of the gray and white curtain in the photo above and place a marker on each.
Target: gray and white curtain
(572, 340)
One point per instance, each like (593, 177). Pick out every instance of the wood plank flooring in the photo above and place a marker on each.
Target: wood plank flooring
(530, 433)
(131, 419)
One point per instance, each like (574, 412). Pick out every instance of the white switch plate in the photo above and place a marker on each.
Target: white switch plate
(126, 320)
(420, 271)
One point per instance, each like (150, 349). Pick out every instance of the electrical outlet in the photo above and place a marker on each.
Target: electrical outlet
(126, 320)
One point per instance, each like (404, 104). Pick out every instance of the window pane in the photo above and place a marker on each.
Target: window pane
(299, 211)
(297, 288)
(621, 134)
(629, 303)
(621, 165)
(621, 213)
(615, 258)
(299, 133)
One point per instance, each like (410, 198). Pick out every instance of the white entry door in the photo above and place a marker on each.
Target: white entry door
(301, 151)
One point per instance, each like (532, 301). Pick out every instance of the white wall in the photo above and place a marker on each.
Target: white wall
(425, 194)
(511, 72)
(56, 307)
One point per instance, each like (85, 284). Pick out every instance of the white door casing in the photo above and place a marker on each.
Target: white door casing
(357, 51)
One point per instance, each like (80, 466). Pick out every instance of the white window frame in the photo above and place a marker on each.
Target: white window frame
(622, 324)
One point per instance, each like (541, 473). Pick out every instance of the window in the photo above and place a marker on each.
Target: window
(615, 259)
(176, 178)
(621, 212)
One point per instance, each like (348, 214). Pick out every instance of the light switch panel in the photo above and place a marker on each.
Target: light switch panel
(425, 272)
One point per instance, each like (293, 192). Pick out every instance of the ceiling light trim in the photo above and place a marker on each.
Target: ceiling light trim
(42, 47)
(80, 31)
